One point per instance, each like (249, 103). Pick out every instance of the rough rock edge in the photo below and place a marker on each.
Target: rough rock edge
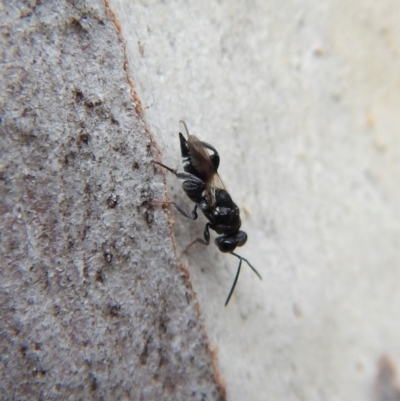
(39, 360)
(139, 110)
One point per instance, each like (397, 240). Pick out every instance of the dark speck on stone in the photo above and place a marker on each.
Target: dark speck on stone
(108, 256)
(112, 201)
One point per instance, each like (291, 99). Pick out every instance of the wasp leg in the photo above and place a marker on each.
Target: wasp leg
(205, 241)
(173, 171)
(191, 216)
(192, 185)
(241, 258)
(182, 176)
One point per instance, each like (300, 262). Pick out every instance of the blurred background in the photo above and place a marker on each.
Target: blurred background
(302, 100)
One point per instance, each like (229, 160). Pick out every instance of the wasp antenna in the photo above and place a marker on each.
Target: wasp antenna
(185, 126)
(234, 282)
(250, 265)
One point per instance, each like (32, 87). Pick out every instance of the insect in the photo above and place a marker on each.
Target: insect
(203, 186)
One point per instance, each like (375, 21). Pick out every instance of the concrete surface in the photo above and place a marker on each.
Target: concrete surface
(302, 101)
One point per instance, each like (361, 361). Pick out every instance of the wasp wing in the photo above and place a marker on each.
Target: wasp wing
(200, 159)
(204, 166)
(217, 182)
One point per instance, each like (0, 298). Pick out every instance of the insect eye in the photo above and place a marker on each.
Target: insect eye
(241, 238)
(225, 244)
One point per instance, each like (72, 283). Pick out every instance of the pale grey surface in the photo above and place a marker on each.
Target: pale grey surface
(92, 302)
(302, 101)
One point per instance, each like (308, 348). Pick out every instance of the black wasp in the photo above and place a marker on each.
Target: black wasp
(201, 186)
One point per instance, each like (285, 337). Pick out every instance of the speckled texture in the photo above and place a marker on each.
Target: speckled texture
(93, 304)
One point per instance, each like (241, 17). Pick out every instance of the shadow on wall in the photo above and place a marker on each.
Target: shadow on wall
(387, 385)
